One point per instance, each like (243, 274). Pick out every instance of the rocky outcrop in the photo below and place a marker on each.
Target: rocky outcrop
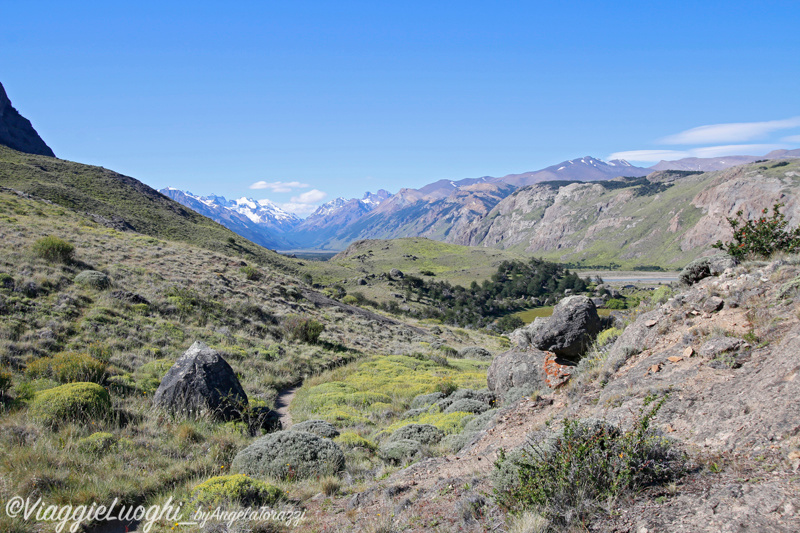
(17, 132)
(201, 383)
(516, 368)
(571, 328)
(704, 267)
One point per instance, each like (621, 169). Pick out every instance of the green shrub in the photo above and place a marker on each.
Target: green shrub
(303, 329)
(94, 279)
(467, 405)
(289, 455)
(236, 488)
(97, 443)
(422, 433)
(351, 439)
(509, 323)
(616, 303)
(317, 427)
(68, 367)
(5, 381)
(399, 452)
(446, 386)
(78, 402)
(607, 336)
(424, 400)
(148, 376)
(350, 300)
(53, 249)
(569, 476)
(761, 237)
(251, 272)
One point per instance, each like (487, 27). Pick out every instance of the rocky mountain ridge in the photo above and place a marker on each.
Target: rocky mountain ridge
(17, 132)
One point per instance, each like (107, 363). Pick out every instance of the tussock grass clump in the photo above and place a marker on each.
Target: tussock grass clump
(290, 455)
(54, 250)
(236, 488)
(351, 439)
(71, 402)
(303, 329)
(68, 367)
(97, 443)
(569, 475)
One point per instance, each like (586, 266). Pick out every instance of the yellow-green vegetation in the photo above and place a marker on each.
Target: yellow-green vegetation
(74, 401)
(529, 315)
(53, 249)
(236, 488)
(351, 439)
(97, 443)
(375, 391)
(448, 422)
(67, 367)
(607, 336)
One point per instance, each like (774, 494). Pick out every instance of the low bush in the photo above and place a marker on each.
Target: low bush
(251, 272)
(761, 237)
(68, 367)
(236, 488)
(53, 249)
(97, 443)
(289, 455)
(303, 329)
(351, 439)
(94, 279)
(466, 405)
(5, 381)
(569, 475)
(422, 433)
(350, 300)
(399, 452)
(317, 427)
(607, 336)
(424, 400)
(79, 402)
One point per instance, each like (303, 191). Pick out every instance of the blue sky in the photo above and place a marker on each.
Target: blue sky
(315, 100)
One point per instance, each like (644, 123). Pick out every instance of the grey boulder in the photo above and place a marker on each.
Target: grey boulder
(570, 330)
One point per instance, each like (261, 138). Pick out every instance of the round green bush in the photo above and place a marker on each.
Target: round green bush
(289, 455)
(236, 488)
(398, 452)
(317, 427)
(97, 443)
(53, 249)
(465, 405)
(421, 433)
(74, 401)
(351, 439)
(424, 400)
(303, 329)
(94, 279)
(68, 367)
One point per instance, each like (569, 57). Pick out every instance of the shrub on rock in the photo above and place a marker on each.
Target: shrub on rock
(289, 455)
(78, 402)
(320, 428)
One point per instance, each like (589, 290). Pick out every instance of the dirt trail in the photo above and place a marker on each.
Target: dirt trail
(282, 403)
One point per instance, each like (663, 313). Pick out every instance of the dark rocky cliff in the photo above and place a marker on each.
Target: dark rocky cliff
(17, 132)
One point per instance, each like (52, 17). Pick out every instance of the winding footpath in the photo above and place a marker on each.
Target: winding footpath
(282, 403)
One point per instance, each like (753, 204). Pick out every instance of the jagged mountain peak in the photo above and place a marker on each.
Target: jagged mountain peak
(17, 131)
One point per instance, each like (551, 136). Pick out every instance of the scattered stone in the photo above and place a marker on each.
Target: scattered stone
(688, 351)
(475, 352)
(650, 323)
(557, 372)
(516, 368)
(713, 304)
(201, 383)
(361, 281)
(571, 329)
(655, 368)
(719, 346)
(396, 273)
(675, 359)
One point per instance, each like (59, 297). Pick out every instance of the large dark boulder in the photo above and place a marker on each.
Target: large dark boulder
(571, 329)
(516, 368)
(201, 383)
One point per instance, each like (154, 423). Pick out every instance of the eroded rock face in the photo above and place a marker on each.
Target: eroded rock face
(569, 332)
(201, 383)
(516, 368)
(17, 132)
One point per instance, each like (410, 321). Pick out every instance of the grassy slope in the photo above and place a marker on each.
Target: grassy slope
(100, 191)
(43, 311)
(459, 265)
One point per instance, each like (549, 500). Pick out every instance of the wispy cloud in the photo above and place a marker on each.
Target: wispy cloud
(791, 139)
(309, 197)
(298, 209)
(730, 133)
(654, 156)
(279, 186)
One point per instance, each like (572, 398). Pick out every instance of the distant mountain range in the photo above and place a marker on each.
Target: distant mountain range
(451, 211)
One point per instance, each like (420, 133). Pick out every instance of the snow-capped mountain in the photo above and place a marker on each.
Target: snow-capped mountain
(332, 217)
(261, 221)
(582, 169)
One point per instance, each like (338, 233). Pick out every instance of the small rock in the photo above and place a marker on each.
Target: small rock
(655, 368)
(713, 304)
(650, 323)
(675, 359)
(688, 352)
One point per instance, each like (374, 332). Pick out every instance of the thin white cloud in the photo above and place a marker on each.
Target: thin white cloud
(647, 156)
(298, 209)
(791, 139)
(730, 133)
(309, 197)
(654, 156)
(279, 186)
